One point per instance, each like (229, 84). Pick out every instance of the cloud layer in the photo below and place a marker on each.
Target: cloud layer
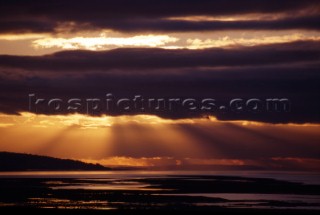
(141, 15)
(288, 70)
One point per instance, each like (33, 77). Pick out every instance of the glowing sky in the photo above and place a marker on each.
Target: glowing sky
(38, 44)
(150, 141)
(195, 49)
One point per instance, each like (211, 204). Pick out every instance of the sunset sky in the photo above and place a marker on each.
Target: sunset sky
(222, 50)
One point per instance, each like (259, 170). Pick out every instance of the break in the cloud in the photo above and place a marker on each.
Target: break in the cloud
(279, 163)
(163, 163)
(103, 42)
(229, 41)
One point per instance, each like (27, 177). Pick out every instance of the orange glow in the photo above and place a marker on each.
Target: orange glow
(224, 162)
(13, 37)
(105, 39)
(150, 141)
(231, 41)
(104, 42)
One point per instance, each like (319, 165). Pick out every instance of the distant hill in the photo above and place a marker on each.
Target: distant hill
(22, 162)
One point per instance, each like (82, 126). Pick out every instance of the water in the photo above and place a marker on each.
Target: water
(106, 190)
(304, 177)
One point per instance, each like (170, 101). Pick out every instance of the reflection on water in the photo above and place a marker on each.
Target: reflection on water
(255, 200)
(255, 205)
(254, 196)
(114, 185)
(159, 190)
(68, 204)
(304, 177)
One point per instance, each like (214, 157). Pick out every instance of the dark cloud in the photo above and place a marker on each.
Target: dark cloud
(275, 71)
(25, 26)
(143, 15)
(148, 59)
(85, 10)
(161, 25)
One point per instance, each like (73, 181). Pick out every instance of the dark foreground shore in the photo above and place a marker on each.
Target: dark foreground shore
(113, 195)
(163, 211)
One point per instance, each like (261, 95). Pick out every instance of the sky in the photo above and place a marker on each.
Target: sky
(85, 80)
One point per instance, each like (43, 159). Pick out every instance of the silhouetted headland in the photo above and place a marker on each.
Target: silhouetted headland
(27, 162)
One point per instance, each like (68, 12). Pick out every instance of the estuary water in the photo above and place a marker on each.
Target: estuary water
(160, 189)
